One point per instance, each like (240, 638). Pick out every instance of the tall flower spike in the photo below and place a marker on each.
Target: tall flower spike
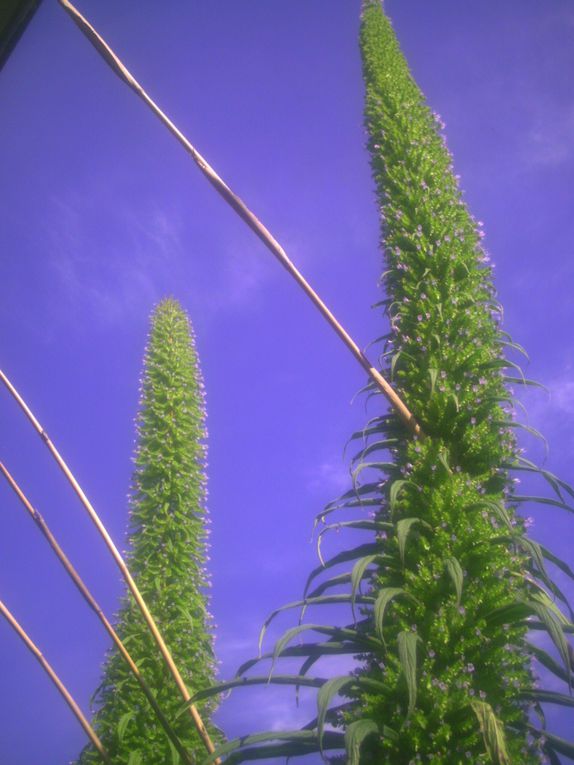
(440, 596)
(450, 600)
(168, 550)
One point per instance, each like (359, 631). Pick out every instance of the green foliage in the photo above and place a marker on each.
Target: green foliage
(168, 554)
(449, 585)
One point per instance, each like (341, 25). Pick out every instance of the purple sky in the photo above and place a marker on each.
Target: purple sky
(103, 214)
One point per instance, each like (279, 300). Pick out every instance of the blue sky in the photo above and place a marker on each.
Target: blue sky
(103, 215)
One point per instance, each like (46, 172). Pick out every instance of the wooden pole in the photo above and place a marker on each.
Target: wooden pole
(164, 650)
(57, 682)
(90, 600)
(247, 216)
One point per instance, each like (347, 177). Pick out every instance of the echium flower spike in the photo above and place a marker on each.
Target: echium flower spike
(440, 596)
(168, 553)
(451, 599)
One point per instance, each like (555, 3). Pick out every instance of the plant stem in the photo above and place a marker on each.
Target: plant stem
(247, 216)
(33, 648)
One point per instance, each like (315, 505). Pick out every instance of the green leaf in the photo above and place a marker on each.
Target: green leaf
(175, 758)
(360, 525)
(444, 461)
(455, 399)
(343, 557)
(515, 346)
(454, 570)
(244, 682)
(557, 484)
(407, 643)
(404, 527)
(376, 446)
(492, 732)
(557, 561)
(394, 490)
(385, 596)
(356, 493)
(559, 745)
(135, 758)
(550, 663)
(553, 628)
(334, 581)
(355, 734)
(524, 381)
(547, 697)
(357, 574)
(330, 689)
(297, 743)
(359, 504)
(380, 466)
(543, 501)
(321, 600)
(543, 598)
(123, 723)
(509, 613)
(335, 632)
(331, 647)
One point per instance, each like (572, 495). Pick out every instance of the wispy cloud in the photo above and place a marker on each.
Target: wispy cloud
(243, 275)
(550, 140)
(111, 262)
(330, 476)
(108, 281)
(562, 395)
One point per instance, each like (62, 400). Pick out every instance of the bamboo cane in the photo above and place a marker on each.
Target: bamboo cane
(90, 600)
(247, 216)
(57, 682)
(164, 650)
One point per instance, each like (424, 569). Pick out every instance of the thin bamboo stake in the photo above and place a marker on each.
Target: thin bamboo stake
(247, 216)
(165, 652)
(57, 682)
(90, 600)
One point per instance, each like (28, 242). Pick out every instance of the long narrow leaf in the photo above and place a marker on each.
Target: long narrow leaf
(357, 575)
(550, 663)
(403, 528)
(385, 596)
(543, 501)
(355, 734)
(241, 682)
(547, 697)
(454, 570)
(407, 643)
(299, 742)
(559, 745)
(322, 600)
(492, 732)
(343, 557)
(327, 692)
